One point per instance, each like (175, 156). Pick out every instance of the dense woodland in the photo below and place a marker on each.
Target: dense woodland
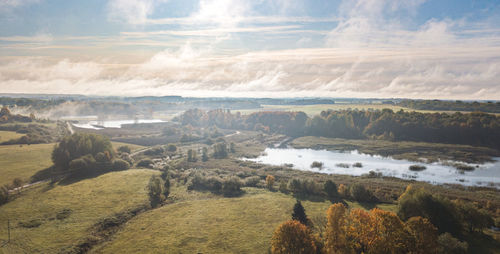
(488, 107)
(477, 129)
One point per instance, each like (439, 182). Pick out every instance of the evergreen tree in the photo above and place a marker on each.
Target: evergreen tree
(299, 213)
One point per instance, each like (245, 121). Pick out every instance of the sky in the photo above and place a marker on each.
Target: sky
(424, 49)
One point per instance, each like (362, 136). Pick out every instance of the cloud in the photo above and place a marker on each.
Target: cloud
(131, 11)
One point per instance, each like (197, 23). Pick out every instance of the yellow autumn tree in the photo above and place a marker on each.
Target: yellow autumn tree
(360, 231)
(335, 241)
(343, 191)
(424, 236)
(270, 181)
(391, 236)
(292, 237)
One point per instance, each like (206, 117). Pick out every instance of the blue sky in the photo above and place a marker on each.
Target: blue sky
(367, 48)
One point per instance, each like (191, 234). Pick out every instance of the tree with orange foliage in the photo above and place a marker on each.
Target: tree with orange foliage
(391, 235)
(343, 191)
(424, 236)
(270, 182)
(292, 237)
(335, 241)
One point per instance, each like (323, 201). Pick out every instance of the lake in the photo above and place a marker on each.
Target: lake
(113, 123)
(337, 162)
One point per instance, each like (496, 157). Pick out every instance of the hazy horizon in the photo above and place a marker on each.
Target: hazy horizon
(420, 49)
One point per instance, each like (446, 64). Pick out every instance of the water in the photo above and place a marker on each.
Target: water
(114, 123)
(487, 174)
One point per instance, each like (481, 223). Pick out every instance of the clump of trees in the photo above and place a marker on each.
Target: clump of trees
(478, 129)
(158, 189)
(228, 186)
(86, 154)
(453, 217)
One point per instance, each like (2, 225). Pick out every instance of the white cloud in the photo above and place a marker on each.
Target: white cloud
(131, 11)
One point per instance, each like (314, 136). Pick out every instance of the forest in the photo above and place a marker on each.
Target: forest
(477, 129)
(487, 107)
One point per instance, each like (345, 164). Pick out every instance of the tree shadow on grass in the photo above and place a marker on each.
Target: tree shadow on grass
(306, 197)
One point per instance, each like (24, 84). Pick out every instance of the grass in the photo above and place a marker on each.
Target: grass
(198, 223)
(22, 161)
(413, 151)
(133, 147)
(312, 110)
(8, 135)
(89, 201)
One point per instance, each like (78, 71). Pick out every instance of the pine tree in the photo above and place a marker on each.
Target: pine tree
(299, 213)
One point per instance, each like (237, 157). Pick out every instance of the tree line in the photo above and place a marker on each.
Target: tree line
(477, 129)
(487, 107)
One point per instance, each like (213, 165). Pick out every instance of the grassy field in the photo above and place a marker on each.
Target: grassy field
(316, 109)
(23, 161)
(88, 201)
(133, 147)
(8, 135)
(408, 150)
(199, 224)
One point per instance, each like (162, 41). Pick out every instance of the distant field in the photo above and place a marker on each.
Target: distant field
(8, 135)
(23, 161)
(219, 225)
(89, 200)
(132, 146)
(316, 109)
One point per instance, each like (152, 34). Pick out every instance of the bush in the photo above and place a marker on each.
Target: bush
(154, 151)
(204, 154)
(171, 148)
(119, 164)
(330, 189)
(440, 211)
(123, 149)
(451, 245)
(360, 193)
(231, 186)
(63, 214)
(283, 187)
(270, 182)
(252, 181)
(4, 195)
(417, 168)
(145, 163)
(220, 150)
(305, 187)
(317, 164)
(30, 224)
(156, 190)
(357, 165)
(191, 155)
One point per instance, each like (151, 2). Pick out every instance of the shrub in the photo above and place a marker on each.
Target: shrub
(30, 224)
(154, 151)
(204, 154)
(156, 190)
(360, 193)
(440, 212)
(270, 182)
(357, 165)
(145, 163)
(344, 191)
(252, 181)
(220, 150)
(171, 148)
(449, 244)
(417, 167)
(119, 164)
(317, 164)
(330, 189)
(283, 187)
(123, 149)
(231, 186)
(63, 214)
(4, 195)
(191, 155)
